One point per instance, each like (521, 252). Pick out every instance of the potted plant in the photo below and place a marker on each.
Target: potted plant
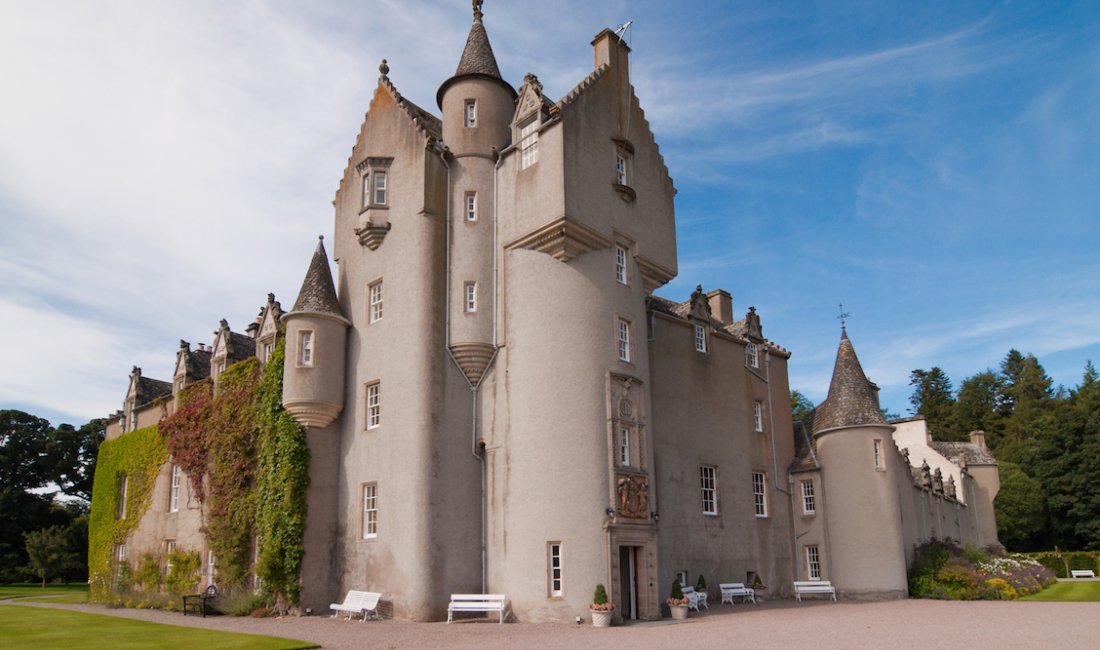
(701, 584)
(602, 611)
(677, 603)
(757, 583)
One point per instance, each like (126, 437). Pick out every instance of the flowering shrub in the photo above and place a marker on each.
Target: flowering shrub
(942, 569)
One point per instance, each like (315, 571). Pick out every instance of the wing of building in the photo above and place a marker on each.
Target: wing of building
(496, 401)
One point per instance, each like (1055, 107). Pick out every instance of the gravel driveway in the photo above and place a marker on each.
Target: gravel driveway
(891, 625)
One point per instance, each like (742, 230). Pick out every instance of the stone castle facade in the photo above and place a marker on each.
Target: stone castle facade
(496, 400)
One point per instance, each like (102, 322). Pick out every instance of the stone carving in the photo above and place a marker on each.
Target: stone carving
(633, 496)
(626, 409)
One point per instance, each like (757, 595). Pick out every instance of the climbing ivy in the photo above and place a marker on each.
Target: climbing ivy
(138, 456)
(283, 480)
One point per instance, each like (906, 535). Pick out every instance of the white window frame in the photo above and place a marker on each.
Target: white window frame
(758, 415)
(700, 339)
(760, 494)
(623, 339)
(813, 562)
(268, 348)
(529, 142)
(469, 301)
(555, 570)
(620, 168)
(879, 464)
(120, 552)
(379, 187)
(469, 113)
(624, 446)
(752, 355)
(809, 503)
(370, 511)
(470, 205)
(708, 489)
(620, 264)
(211, 567)
(374, 300)
(174, 489)
(305, 349)
(374, 405)
(133, 419)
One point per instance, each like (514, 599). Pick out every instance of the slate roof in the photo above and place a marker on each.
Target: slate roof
(425, 121)
(682, 311)
(149, 390)
(852, 399)
(196, 363)
(477, 59)
(972, 453)
(318, 291)
(239, 347)
(805, 455)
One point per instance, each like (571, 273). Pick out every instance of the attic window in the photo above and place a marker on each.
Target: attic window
(752, 355)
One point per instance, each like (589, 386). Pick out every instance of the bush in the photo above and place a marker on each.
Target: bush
(184, 576)
(942, 570)
(1053, 562)
(243, 604)
(1081, 560)
(147, 577)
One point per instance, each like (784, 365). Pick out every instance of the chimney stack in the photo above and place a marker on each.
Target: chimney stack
(721, 306)
(978, 438)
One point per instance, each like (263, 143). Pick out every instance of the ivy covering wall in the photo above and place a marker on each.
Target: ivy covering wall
(247, 462)
(137, 456)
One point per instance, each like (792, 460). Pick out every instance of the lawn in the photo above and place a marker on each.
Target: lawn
(1068, 591)
(78, 590)
(33, 627)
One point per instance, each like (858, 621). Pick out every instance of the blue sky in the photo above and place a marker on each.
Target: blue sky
(933, 166)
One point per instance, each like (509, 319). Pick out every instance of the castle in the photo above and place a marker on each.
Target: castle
(495, 400)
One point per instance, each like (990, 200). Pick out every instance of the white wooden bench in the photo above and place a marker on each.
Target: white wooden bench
(476, 603)
(1082, 573)
(695, 598)
(356, 603)
(813, 587)
(731, 590)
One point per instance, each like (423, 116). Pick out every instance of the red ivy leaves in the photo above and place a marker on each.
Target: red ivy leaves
(186, 431)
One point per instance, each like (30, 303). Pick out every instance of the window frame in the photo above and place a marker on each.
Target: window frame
(529, 142)
(623, 338)
(374, 405)
(758, 415)
(469, 114)
(809, 499)
(760, 494)
(380, 188)
(752, 355)
(624, 446)
(708, 489)
(470, 206)
(369, 509)
(123, 488)
(469, 297)
(375, 298)
(620, 265)
(305, 355)
(880, 464)
(701, 344)
(169, 549)
(174, 488)
(621, 174)
(555, 570)
(813, 562)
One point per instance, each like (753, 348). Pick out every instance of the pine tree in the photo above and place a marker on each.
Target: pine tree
(932, 398)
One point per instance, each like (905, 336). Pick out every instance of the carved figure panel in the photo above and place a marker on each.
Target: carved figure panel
(633, 496)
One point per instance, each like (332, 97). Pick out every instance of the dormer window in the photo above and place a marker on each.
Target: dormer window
(470, 113)
(752, 355)
(529, 142)
(700, 339)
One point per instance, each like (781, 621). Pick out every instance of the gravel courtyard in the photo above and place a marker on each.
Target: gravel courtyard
(893, 625)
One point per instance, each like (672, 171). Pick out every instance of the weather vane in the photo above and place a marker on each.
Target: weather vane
(843, 315)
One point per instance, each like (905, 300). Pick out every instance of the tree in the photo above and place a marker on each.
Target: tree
(1021, 514)
(800, 405)
(932, 398)
(72, 454)
(23, 461)
(976, 405)
(50, 552)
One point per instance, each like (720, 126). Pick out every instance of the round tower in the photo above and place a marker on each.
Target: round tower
(316, 333)
(860, 475)
(477, 107)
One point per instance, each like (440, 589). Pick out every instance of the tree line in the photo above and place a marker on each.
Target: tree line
(46, 478)
(1046, 441)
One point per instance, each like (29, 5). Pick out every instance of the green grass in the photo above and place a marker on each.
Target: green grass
(31, 590)
(1075, 592)
(27, 627)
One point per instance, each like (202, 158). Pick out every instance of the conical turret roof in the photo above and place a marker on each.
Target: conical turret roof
(318, 292)
(852, 399)
(477, 58)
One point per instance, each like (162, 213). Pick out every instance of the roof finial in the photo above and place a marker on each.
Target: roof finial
(383, 68)
(477, 10)
(843, 323)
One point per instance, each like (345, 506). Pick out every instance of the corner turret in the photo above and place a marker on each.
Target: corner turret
(477, 103)
(316, 331)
